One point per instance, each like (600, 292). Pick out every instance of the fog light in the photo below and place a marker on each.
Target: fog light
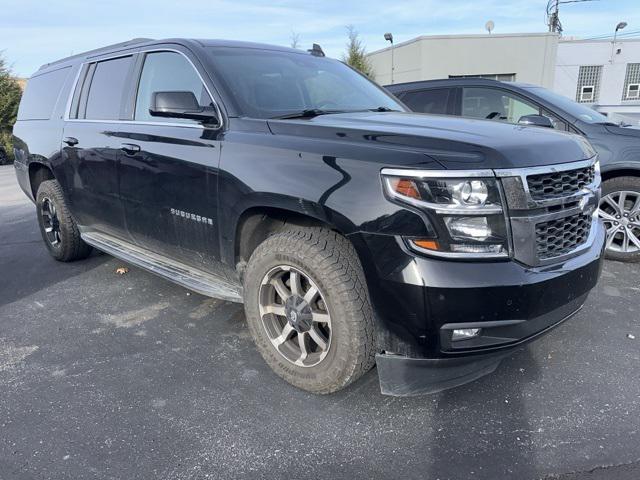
(476, 228)
(465, 334)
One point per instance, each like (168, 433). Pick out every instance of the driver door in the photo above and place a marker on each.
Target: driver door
(169, 168)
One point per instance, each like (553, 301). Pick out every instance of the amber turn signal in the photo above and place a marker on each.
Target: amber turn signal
(406, 187)
(428, 244)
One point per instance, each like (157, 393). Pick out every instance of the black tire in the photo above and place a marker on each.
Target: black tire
(330, 261)
(621, 184)
(65, 245)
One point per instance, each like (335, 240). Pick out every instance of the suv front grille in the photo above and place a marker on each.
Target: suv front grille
(559, 184)
(561, 236)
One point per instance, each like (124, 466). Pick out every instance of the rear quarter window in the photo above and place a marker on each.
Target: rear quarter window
(41, 95)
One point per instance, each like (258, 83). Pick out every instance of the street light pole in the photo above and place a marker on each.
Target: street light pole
(620, 26)
(389, 38)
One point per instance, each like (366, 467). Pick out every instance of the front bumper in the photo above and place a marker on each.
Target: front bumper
(405, 376)
(420, 301)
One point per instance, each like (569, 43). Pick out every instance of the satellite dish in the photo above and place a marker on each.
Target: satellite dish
(489, 26)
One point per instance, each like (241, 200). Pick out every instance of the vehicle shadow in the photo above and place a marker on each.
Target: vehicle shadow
(25, 264)
(473, 428)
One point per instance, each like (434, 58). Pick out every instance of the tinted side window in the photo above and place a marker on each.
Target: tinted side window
(167, 72)
(106, 89)
(42, 92)
(494, 104)
(428, 101)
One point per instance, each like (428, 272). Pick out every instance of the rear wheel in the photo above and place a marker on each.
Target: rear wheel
(308, 309)
(620, 212)
(58, 228)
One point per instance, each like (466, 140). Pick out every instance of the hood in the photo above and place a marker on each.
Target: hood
(455, 142)
(626, 131)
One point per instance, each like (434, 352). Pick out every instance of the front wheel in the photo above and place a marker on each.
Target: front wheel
(308, 309)
(620, 211)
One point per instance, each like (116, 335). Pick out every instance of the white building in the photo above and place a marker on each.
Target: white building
(601, 74)
(525, 57)
(597, 72)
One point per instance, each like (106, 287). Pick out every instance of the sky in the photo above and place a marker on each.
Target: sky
(35, 32)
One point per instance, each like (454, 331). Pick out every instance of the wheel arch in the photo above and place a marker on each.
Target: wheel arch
(258, 222)
(620, 171)
(38, 173)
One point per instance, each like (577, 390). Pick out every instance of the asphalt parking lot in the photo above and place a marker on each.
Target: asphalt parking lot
(111, 376)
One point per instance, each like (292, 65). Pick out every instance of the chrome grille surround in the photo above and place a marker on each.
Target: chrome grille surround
(546, 230)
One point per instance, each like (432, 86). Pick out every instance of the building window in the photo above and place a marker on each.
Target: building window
(586, 93)
(588, 84)
(631, 89)
(503, 77)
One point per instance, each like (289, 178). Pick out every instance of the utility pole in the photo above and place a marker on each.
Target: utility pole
(554, 19)
(553, 16)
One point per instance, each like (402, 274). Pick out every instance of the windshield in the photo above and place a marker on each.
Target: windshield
(269, 84)
(582, 112)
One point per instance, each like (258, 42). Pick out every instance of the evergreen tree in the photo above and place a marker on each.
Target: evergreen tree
(356, 55)
(10, 93)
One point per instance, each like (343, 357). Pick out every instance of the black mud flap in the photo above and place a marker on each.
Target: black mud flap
(403, 376)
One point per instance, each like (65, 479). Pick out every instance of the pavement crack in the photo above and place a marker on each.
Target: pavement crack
(600, 468)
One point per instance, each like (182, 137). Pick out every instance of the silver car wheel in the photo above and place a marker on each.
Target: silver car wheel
(620, 212)
(294, 315)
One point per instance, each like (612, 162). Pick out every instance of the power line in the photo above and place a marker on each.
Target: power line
(553, 13)
(608, 35)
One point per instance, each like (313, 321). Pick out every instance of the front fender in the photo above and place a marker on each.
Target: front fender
(336, 184)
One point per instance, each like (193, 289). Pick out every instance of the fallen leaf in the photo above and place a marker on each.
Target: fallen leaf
(122, 270)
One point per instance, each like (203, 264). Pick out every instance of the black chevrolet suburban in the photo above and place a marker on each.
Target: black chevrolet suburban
(354, 231)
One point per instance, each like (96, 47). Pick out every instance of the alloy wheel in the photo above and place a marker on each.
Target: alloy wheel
(620, 212)
(50, 222)
(294, 315)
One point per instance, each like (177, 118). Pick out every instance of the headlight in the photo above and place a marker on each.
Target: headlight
(465, 210)
(446, 194)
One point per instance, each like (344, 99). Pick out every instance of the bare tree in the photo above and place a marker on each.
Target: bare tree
(295, 39)
(356, 54)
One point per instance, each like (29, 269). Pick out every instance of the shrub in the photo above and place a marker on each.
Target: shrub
(10, 94)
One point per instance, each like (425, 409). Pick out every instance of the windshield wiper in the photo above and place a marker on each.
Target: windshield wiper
(309, 113)
(383, 109)
(610, 124)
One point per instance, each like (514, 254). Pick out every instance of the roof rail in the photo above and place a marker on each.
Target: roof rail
(133, 41)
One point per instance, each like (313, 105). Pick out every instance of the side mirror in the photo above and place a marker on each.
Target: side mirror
(181, 105)
(535, 120)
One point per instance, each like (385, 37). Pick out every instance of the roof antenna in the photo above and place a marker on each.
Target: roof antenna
(316, 50)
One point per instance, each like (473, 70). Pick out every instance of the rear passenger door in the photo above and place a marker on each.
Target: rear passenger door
(91, 145)
(438, 101)
(169, 174)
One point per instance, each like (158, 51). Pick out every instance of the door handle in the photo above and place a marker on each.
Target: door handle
(71, 141)
(130, 148)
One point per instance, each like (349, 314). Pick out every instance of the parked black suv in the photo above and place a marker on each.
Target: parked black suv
(618, 146)
(353, 231)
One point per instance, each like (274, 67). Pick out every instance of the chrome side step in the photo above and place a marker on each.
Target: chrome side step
(188, 277)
